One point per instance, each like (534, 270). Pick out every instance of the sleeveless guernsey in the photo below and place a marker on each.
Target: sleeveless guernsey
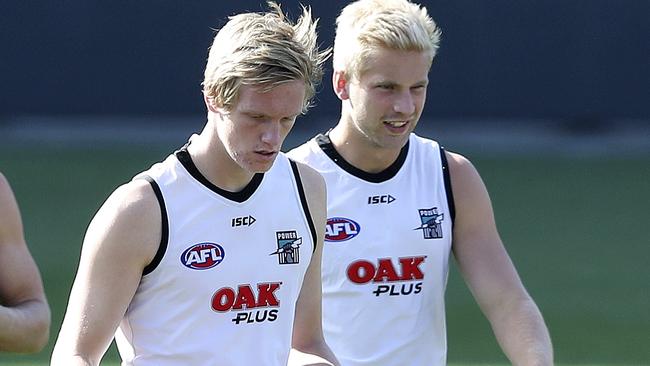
(223, 287)
(386, 253)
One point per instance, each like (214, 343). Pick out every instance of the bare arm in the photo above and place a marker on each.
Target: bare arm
(309, 347)
(121, 240)
(24, 313)
(490, 274)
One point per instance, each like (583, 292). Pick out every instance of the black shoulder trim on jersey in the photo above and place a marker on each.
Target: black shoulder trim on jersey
(448, 190)
(326, 145)
(164, 237)
(305, 206)
(186, 160)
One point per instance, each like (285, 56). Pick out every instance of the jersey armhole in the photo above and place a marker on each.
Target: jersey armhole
(303, 201)
(447, 179)
(164, 237)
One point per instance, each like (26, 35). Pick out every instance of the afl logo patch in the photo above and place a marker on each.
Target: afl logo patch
(202, 256)
(341, 229)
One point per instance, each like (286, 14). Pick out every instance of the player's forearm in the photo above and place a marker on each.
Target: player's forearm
(72, 350)
(59, 359)
(522, 334)
(67, 352)
(24, 328)
(312, 355)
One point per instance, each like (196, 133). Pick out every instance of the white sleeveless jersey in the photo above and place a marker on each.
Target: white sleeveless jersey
(223, 286)
(386, 254)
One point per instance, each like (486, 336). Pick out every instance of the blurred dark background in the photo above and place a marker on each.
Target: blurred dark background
(584, 63)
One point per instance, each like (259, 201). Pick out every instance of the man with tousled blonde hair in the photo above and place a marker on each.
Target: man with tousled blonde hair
(212, 257)
(265, 51)
(362, 27)
(399, 205)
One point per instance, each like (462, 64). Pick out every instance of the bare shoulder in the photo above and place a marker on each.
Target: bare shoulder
(133, 202)
(316, 195)
(4, 185)
(11, 230)
(460, 166)
(471, 197)
(312, 181)
(130, 220)
(7, 200)
(465, 179)
(136, 197)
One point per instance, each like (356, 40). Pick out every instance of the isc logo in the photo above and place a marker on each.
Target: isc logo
(386, 198)
(341, 229)
(243, 221)
(202, 256)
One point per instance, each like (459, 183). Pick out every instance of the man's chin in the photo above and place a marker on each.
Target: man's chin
(395, 142)
(260, 167)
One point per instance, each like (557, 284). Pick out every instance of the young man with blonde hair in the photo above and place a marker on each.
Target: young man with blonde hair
(24, 313)
(212, 257)
(399, 205)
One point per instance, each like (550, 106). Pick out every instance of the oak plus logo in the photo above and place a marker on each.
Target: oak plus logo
(392, 277)
(203, 256)
(431, 223)
(249, 304)
(341, 229)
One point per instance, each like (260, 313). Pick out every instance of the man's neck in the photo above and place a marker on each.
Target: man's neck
(361, 153)
(214, 163)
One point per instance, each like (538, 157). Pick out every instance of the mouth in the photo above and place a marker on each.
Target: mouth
(267, 153)
(396, 124)
(397, 127)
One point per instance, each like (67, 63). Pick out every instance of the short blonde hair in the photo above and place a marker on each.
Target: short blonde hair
(264, 49)
(366, 25)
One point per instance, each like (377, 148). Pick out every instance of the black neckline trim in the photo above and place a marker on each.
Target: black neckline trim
(185, 159)
(326, 145)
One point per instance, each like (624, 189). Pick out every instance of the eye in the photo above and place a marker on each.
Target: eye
(419, 89)
(257, 117)
(288, 120)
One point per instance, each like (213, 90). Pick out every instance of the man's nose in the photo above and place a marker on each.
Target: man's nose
(404, 103)
(271, 134)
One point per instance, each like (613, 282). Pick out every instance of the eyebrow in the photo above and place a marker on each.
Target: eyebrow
(392, 83)
(265, 115)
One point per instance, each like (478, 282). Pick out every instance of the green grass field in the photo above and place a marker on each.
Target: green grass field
(577, 230)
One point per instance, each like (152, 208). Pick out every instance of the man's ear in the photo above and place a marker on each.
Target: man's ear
(340, 84)
(210, 103)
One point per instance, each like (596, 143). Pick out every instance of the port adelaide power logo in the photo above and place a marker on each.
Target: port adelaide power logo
(431, 223)
(288, 251)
